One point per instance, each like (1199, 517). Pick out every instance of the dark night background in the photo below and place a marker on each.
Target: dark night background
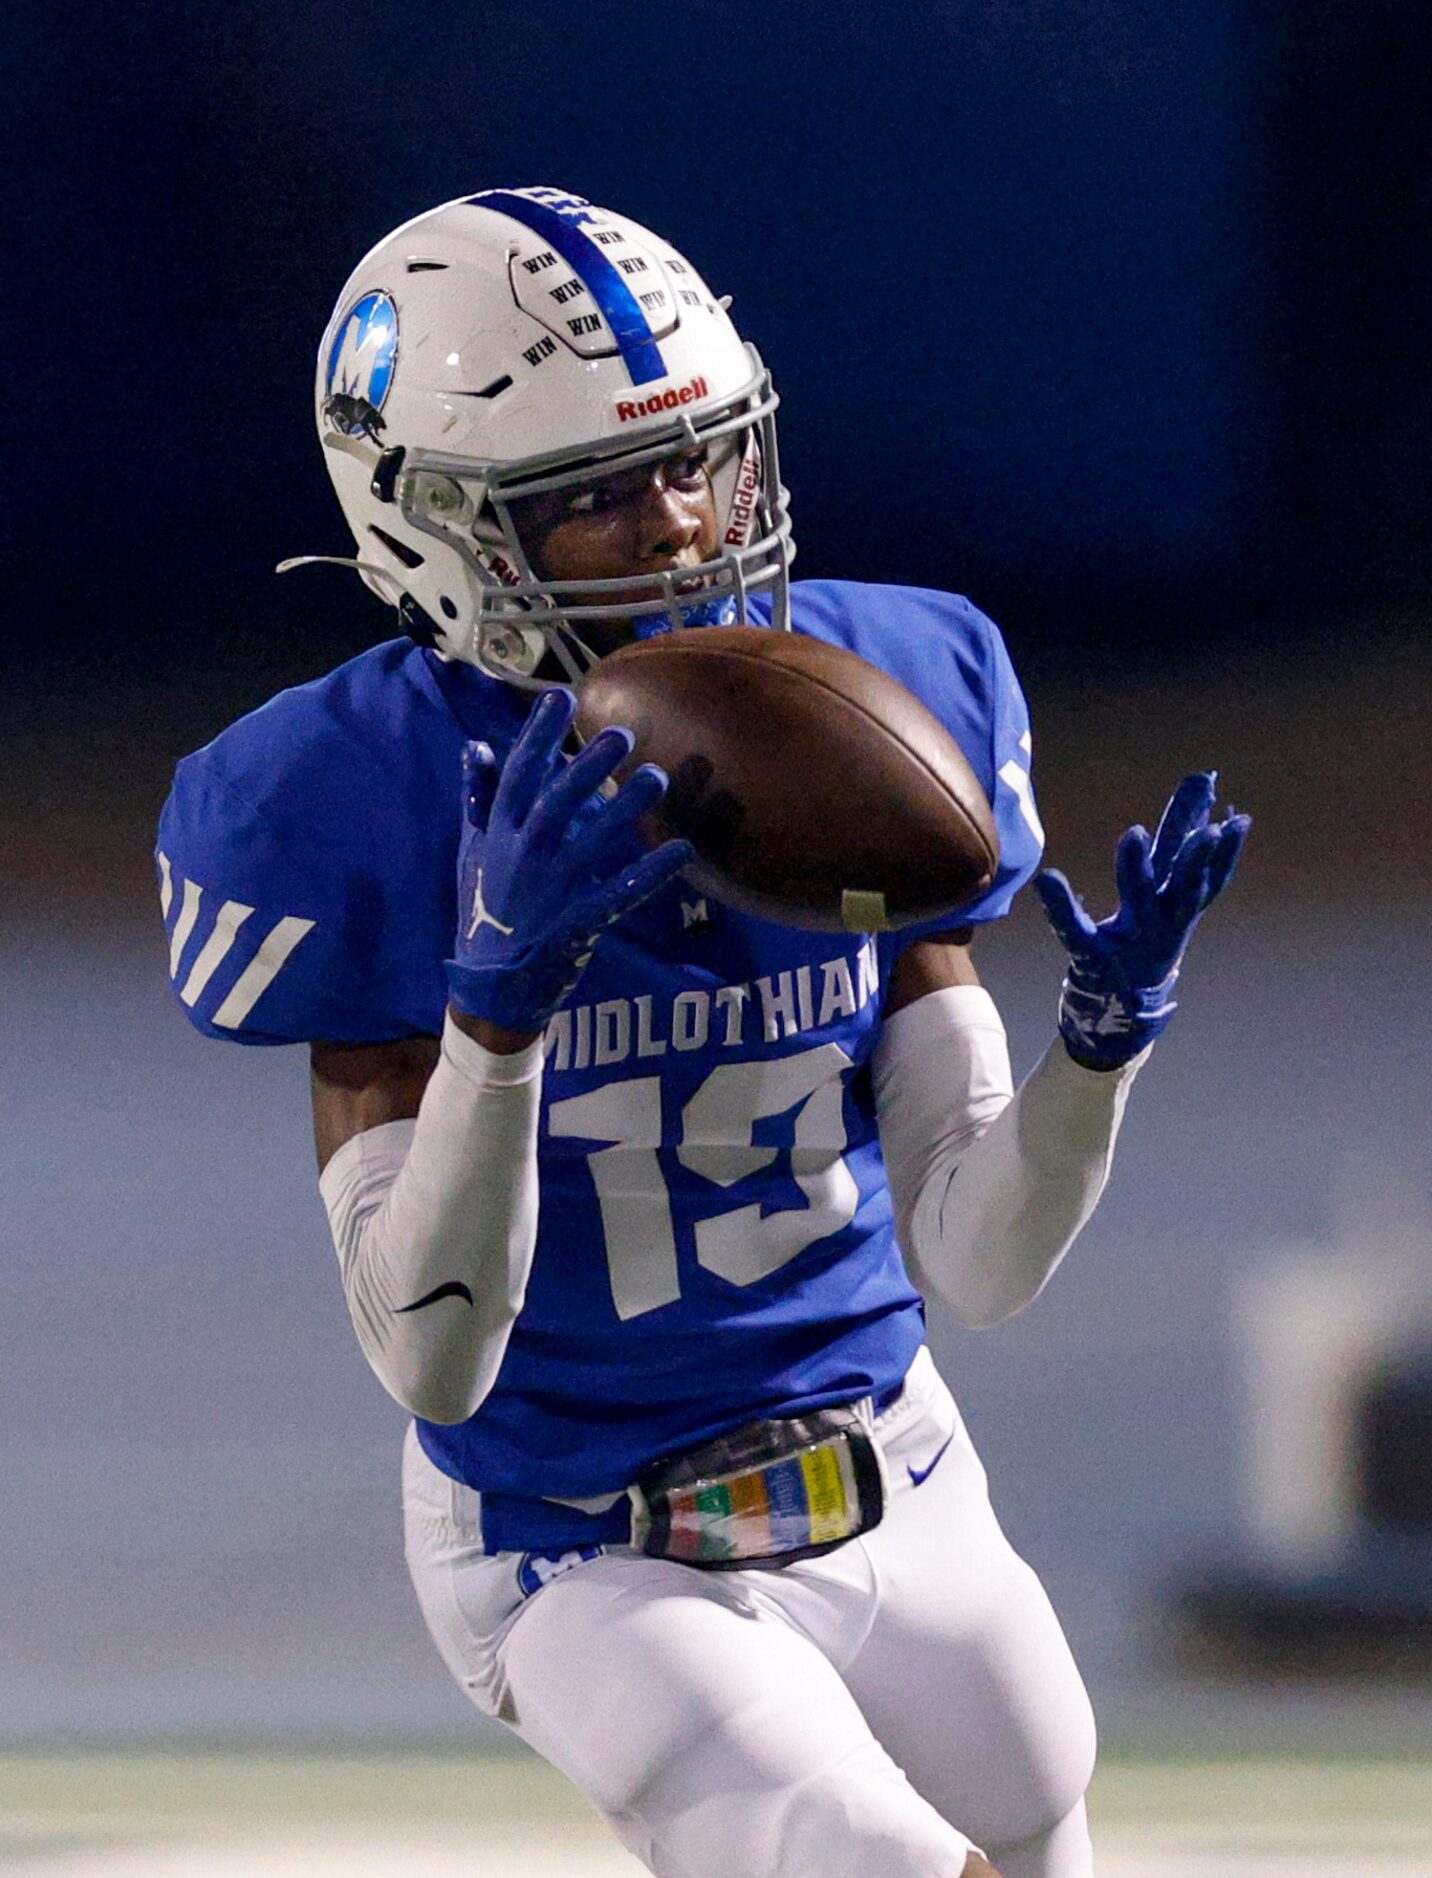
(1114, 314)
(1110, 313)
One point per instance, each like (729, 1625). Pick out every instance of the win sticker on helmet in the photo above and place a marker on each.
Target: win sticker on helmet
(611, 294)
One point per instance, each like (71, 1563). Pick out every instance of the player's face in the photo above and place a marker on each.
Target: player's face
(650, 520)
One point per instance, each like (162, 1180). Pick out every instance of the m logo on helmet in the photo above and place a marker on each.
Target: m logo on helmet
(656, 402)
(361, 361)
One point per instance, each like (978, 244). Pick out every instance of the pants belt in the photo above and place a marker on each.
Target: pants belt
(512, 1523)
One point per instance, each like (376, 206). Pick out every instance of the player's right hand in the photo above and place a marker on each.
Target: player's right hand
(546, 864)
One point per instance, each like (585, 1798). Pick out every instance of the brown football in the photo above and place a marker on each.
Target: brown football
(815, 789)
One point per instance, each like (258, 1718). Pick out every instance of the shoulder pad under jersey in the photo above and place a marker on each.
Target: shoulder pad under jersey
(944, 650)
(306, 860)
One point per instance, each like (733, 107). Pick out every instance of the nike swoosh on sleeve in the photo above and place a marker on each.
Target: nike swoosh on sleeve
(925, 1472)
(452, 1289)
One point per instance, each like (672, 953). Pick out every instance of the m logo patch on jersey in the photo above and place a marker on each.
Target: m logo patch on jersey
(540, 1568)
(361, 363)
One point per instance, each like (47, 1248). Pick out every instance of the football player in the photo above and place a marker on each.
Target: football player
(636, 1198)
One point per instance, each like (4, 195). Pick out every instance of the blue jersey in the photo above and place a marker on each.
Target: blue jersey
(715, 1240)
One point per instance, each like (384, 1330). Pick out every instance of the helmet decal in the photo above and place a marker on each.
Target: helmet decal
(745, 496)
(628, 409)
(559, 222)
(360, 365)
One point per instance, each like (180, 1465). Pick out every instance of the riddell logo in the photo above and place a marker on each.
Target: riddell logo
(743, 501)
(629, 409)
(503, 569)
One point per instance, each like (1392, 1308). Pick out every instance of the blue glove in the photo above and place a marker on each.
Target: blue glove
(545, 864)
(1118, 994)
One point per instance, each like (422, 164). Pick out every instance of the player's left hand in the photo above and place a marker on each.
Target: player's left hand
(1118, 993)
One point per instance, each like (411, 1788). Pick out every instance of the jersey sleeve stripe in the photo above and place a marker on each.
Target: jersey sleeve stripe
(184, 925)
(1017, 780)
(166, 884)
(261, 971)
(232, 915)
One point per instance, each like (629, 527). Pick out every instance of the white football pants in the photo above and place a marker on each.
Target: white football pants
(868, 1714)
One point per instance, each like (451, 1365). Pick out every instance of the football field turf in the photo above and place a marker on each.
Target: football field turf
(251, 1815)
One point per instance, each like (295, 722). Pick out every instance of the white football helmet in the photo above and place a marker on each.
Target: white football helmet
(519, 341)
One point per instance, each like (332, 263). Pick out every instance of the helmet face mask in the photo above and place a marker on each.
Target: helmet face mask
(447, 356)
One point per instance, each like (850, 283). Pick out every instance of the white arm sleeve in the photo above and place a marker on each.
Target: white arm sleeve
(445, 1204)
(990, 1187)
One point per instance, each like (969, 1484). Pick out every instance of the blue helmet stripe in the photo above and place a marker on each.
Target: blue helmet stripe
(562, 231)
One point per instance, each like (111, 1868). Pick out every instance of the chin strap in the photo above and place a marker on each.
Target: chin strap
(380, 581)
(383, 582)
(418, 626)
